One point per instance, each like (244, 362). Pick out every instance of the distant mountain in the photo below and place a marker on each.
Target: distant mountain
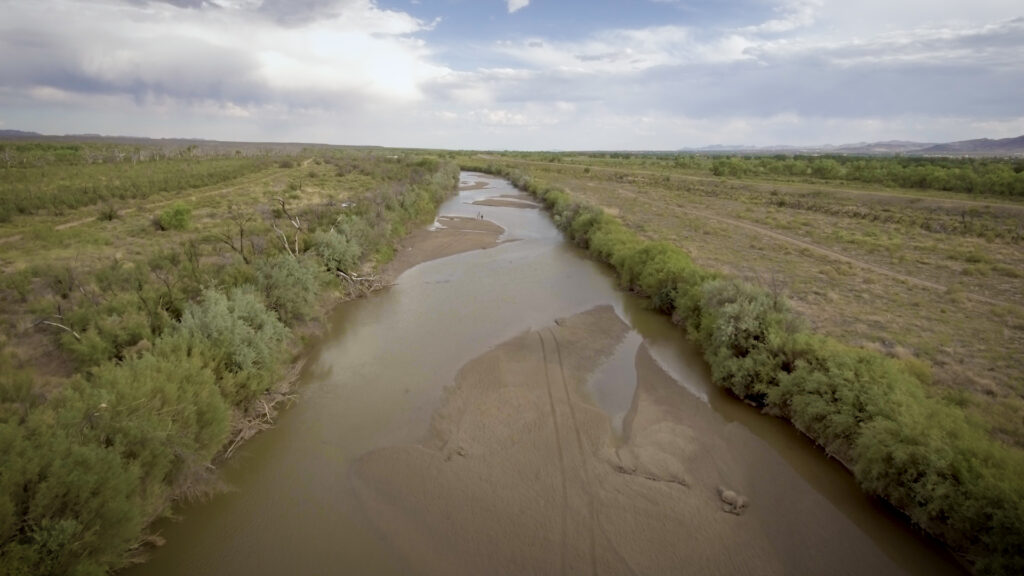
(17, 134)
(980, 147)
(887, 147)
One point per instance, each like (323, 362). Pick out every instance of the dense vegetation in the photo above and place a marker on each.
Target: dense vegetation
(41, 176)
(984, 176)
(175, 352)
(971, 176)
(870, 411)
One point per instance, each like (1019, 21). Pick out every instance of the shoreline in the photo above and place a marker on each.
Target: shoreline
(456, 235)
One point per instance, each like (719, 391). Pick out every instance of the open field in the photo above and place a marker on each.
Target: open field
(938, 277)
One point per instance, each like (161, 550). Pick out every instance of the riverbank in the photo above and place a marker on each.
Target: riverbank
(867, 410)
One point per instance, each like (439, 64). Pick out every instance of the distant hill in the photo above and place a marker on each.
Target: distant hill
(980, 147)
(18, 134)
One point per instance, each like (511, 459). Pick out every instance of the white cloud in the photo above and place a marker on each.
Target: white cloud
(353, 51)
(795, 14)
(517, 5)
(350, 71)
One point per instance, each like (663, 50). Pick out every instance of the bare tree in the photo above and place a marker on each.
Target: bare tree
(241, 219)
(295, 222)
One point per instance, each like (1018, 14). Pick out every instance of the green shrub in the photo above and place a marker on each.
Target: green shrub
(242, 338)
(85, 472)
(335, 251)
(289, 285)
(107, 213)
(177, 217)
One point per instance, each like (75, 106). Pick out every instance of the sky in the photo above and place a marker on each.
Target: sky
(516, 74)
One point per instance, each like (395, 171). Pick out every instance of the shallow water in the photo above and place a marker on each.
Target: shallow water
(377, 374)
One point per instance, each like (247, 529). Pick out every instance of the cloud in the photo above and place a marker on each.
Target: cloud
(764, 71)
(517, 5)
(241, 54)
(795, 14)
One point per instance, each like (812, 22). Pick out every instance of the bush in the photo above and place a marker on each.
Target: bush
(177, 217)
(241, 337)
(107, 213)
(84, 473)
(289, 285)
(335, 251)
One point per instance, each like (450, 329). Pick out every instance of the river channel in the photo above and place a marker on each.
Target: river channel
(327, 491)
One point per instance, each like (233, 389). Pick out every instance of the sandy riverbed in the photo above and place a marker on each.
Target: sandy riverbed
(452, 235)
(509, 201)
(521, 474)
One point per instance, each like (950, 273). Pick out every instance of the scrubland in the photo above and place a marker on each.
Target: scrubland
(153, 299)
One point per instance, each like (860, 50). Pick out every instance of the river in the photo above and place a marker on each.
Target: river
(378, 374)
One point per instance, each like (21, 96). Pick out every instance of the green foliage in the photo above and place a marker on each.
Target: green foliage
(335, 251)
(746, 336)
(243, 339)
(996, 177)
(177, 217)
(44, 176)
(86, 471)
(163, 361)
(289, 285)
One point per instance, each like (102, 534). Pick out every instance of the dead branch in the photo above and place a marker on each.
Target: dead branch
(58, 325)
(294, 220)
(284, 239)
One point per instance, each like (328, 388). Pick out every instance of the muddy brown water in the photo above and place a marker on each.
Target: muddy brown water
(377, 375)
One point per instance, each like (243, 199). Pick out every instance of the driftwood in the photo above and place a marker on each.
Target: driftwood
(364, 284)
(258, 421)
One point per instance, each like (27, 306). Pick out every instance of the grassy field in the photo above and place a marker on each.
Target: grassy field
(152, 299)
(935, 276)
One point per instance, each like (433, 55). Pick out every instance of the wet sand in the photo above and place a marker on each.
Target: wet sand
(507, 203)
(521, 474)
(454, 235)
(477, 185)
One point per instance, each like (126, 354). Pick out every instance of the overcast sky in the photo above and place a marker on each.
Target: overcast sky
(516, 74)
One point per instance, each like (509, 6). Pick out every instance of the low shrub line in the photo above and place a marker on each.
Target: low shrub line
(871, 412)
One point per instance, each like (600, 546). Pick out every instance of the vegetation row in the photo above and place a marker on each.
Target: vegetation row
(870, 411)
(175, 356)
(38, 177)
(986, 176)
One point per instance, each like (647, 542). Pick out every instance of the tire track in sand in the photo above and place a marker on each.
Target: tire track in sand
(587, 485)
(561, 458)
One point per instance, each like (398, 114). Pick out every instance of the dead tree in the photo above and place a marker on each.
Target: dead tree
(295, 222)
(241, 219)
